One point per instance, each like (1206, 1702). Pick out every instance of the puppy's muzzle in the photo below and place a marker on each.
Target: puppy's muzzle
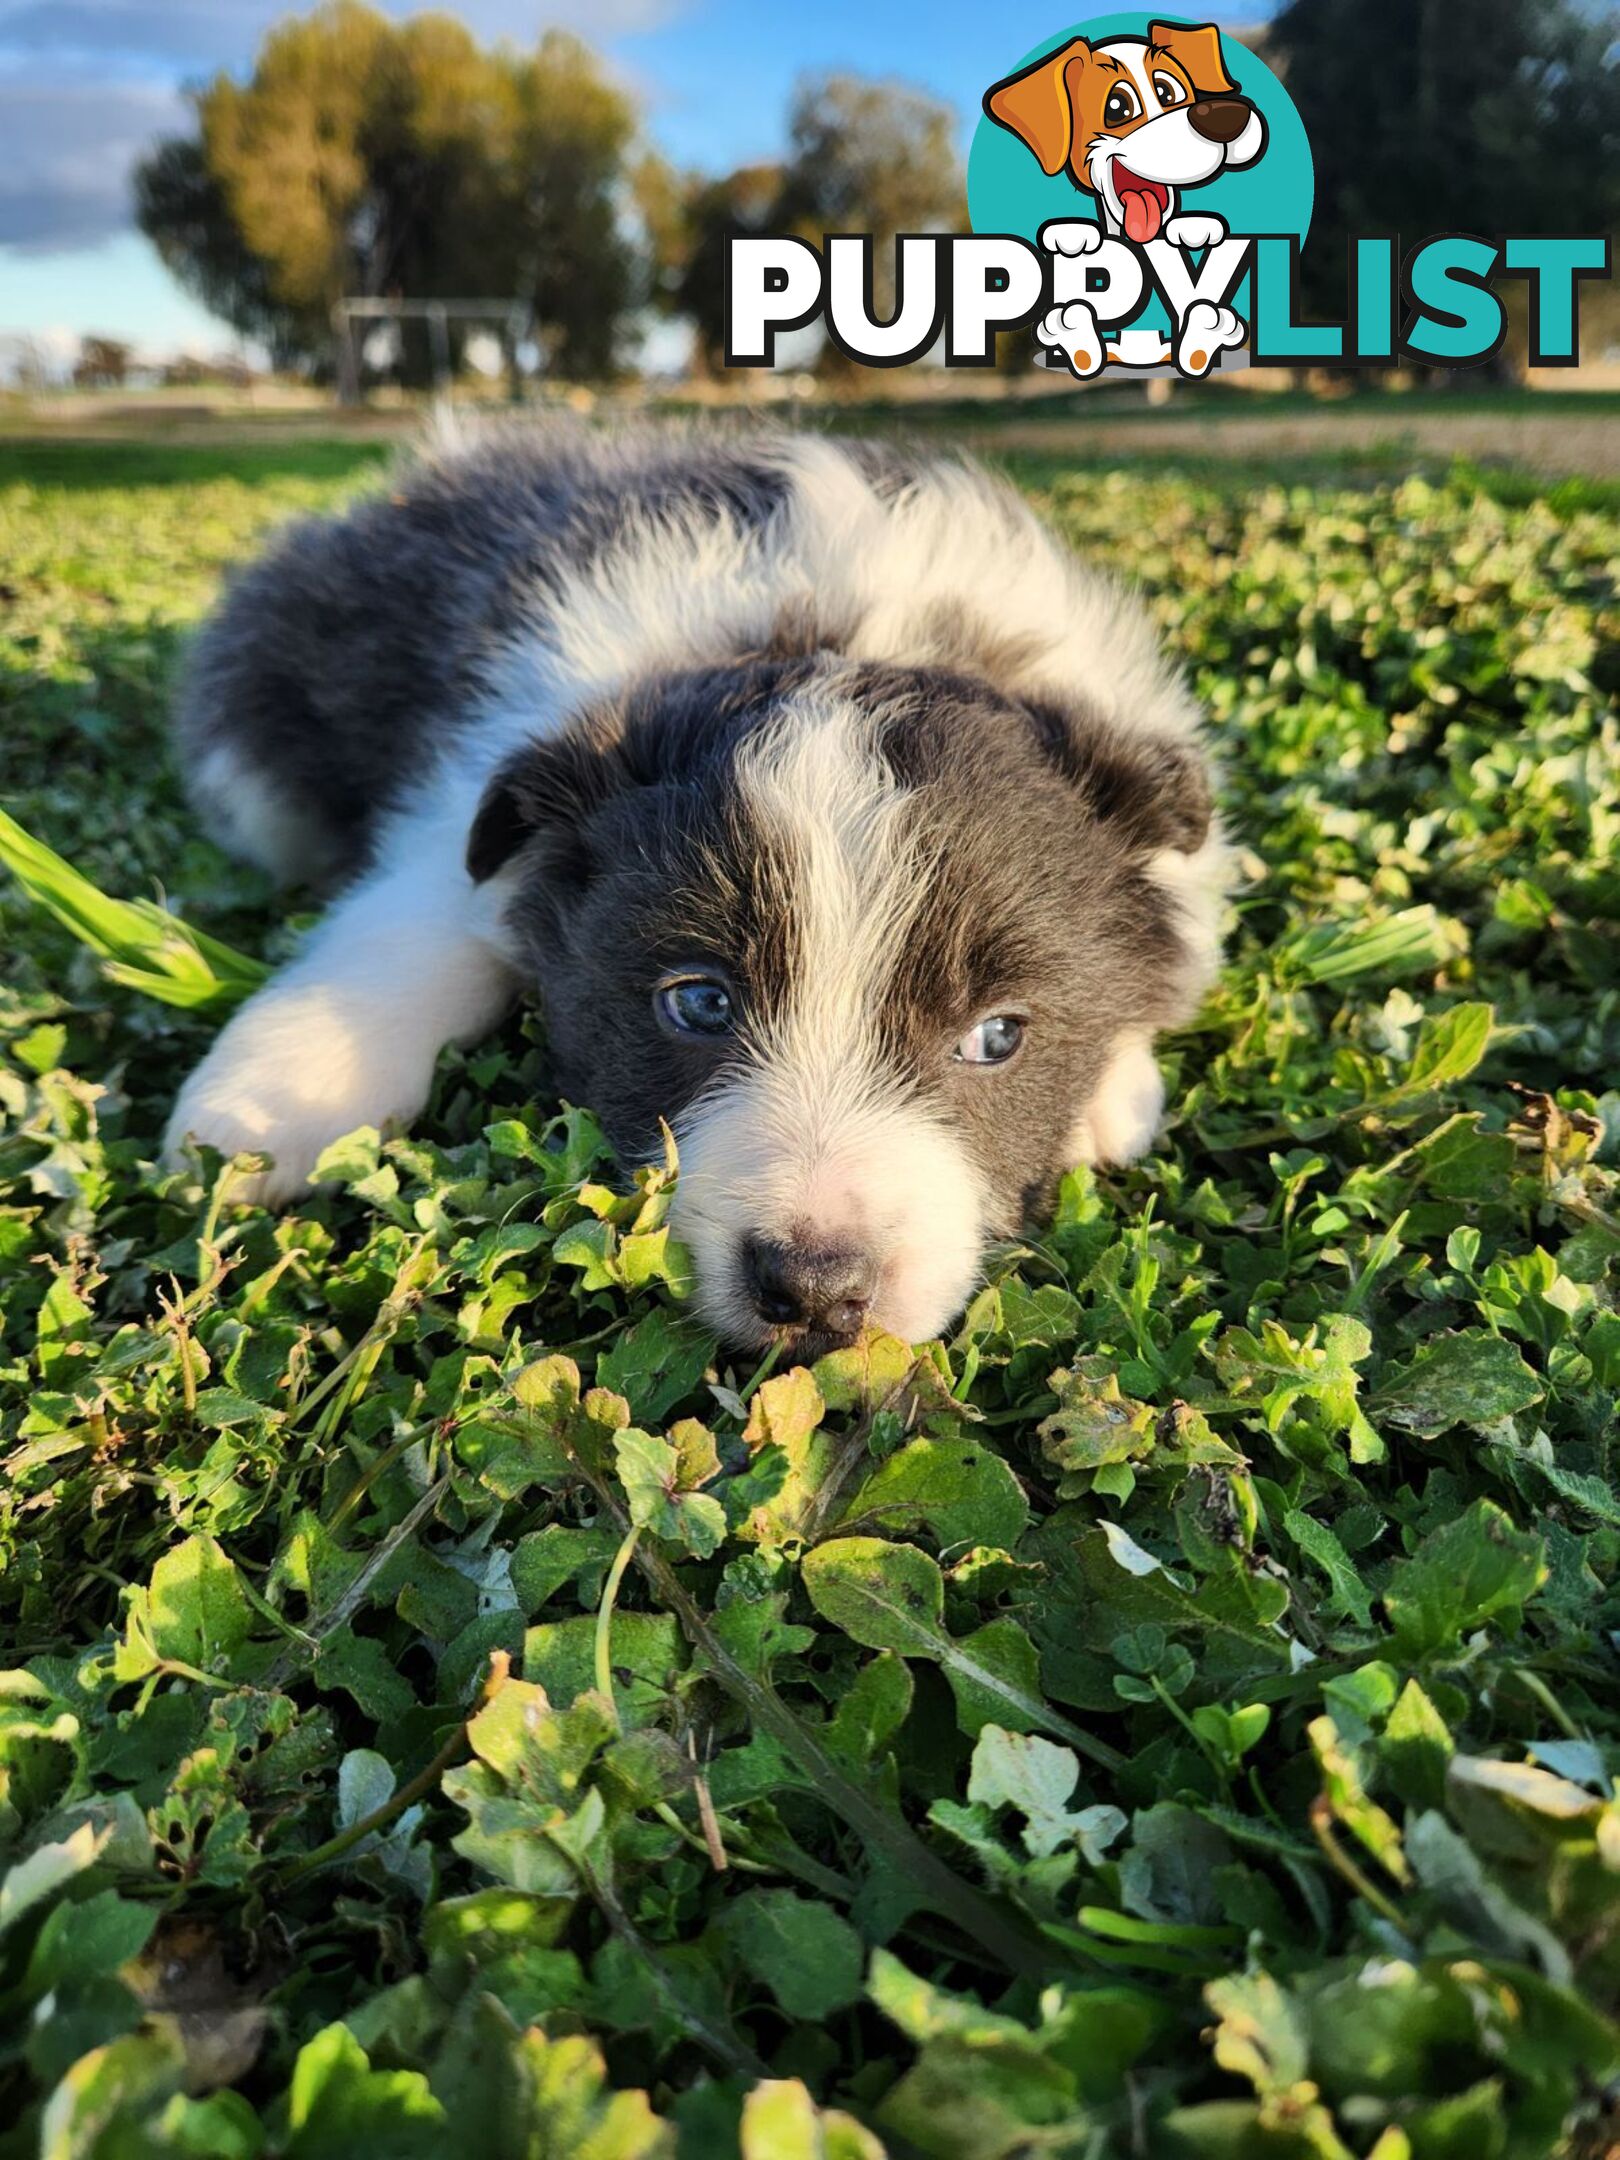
(824, 1290)
(1220, 120)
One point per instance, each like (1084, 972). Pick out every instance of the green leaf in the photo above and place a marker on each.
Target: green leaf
(656, 1363)
(1416, 1748)
(1349, 1800)
(888, 1597)
(339, 2108)
(647, 1654)
(195, 1612)
(572, 2113)
(1449, 1047)
(1389, 949)
(1260, 2032)
(809, 1958)
(141, 945)
(1038, 1779)
(892, 1597)
(780, 2121)
(960, 1492)
(1277, 1373)
(47, 1869)
(651, 1472)
(1475, 1569)
(86, 1937)
(1470, 1378)
(1350, 1594)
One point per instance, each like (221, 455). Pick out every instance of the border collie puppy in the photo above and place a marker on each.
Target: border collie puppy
(831, 810)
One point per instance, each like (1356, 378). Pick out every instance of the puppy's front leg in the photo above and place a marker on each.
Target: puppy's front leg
(347, 1033)
(1122, 1117)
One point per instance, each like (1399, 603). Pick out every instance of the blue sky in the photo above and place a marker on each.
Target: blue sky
(85, 85)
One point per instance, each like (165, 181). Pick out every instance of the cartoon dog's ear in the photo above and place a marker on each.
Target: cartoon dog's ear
(1154, 790)
(1037, 105)
(1196, 48)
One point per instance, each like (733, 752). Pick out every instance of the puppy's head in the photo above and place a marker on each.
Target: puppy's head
(868, 937)
(1133, 119)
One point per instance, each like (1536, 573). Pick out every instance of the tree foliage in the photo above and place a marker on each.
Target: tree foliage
(863, 156)
(717, 212)
(1505, 118)
(364, 156)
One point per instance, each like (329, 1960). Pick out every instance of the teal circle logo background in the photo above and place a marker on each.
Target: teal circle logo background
(1007, 191)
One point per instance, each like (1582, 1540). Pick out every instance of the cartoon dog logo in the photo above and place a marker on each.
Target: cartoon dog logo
(1136, 121)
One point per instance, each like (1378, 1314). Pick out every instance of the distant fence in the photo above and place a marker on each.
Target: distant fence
(512, 320)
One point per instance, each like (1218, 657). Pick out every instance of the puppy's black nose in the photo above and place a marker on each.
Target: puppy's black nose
(824, 1288)
(1220, 119)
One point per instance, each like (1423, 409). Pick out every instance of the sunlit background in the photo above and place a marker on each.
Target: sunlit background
(189, 189)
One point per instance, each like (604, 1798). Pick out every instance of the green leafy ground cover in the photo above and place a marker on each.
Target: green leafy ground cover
(451, 1710)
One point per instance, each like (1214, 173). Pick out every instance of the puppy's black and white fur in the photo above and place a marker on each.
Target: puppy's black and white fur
(831, 810)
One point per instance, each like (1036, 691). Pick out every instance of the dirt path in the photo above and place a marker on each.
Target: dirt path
(1555, 443)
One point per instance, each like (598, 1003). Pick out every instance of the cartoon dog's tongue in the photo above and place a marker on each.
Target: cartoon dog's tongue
(1142, 204)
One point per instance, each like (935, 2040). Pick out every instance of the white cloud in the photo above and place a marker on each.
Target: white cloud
(70, 146)
(205, 34)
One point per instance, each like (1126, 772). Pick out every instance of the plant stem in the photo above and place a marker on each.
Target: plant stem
(887, 1837)
(604, 1619)
(417, 1788)
(1341, 1862)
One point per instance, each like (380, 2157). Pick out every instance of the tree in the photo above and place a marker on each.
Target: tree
(864, 156)
(103, 363)
(368, 157)
(716, 212)
(868, 156)
(181, 206)
(1501, 117)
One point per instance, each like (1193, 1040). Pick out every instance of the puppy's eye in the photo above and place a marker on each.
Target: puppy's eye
(1121, 106)
(694, 1005)
(992, 1042)
(1168, 90)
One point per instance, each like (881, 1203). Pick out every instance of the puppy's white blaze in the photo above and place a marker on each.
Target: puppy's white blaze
(879, 1173)
(814, 1138)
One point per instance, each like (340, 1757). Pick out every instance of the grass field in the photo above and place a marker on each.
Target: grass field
(453, 1710)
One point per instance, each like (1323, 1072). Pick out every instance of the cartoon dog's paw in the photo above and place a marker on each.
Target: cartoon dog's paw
(1206, 331)
(1071, 236)
(1072, 329)
(1194, 231)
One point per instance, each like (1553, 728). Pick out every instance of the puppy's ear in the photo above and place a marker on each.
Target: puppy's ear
(1196, 48)
(1037, 105)
(544, 792)
(1152, 789)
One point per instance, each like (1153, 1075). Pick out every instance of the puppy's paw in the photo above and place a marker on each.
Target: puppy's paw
(1205, 332)
(241, 1110)
(1071, 236)
(286, 1078)
(1122, 1117)
(1194, 230)
(1072, 329)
